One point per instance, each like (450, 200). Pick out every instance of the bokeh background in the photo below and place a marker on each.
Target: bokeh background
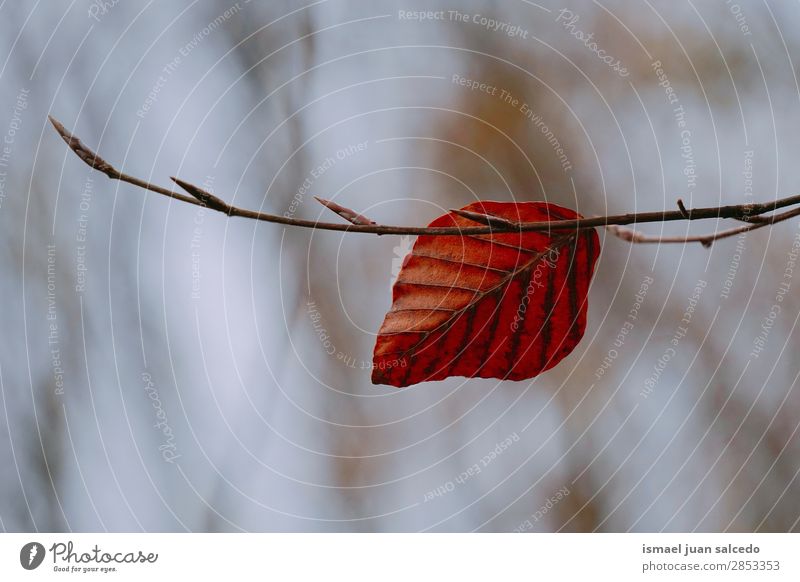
(164, 368)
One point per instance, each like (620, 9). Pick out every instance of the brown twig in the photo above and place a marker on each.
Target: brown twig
(745, 212)
(704, 239)
(685, 213)
(350, 215)
(205, 198)
(487, 219)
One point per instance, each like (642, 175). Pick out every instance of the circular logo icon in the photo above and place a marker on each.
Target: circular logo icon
(31, 555)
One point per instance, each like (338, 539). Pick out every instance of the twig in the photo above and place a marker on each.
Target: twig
(705, 239)
(99, 164)
(205, 198)
(350, 215)
(487, 219)
(685, 213)
(744, 212)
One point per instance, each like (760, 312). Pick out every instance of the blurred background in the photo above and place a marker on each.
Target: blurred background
(164, 368)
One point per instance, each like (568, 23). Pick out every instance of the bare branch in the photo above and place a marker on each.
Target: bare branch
(204, 197)
(487, 219)
(744, 212)
(88, 156)
(686, 214)
(349, 215)
(706, 239)
(94, 161)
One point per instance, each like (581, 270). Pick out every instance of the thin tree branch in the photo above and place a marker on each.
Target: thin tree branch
(204, 197)
(487, 219)
(96, 162)
(685, 213)
(744, 212)
(705, 239)
(349, 215)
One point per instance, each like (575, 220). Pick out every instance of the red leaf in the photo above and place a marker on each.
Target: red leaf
(508, 305)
